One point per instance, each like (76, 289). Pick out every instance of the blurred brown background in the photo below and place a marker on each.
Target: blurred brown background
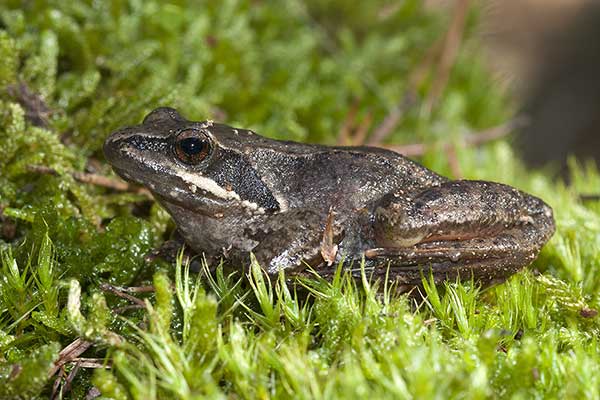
(548, 53)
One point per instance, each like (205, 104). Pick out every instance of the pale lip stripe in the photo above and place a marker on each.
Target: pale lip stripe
(207, 184)
(198, 181)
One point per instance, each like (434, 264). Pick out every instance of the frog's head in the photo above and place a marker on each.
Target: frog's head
(198, 166)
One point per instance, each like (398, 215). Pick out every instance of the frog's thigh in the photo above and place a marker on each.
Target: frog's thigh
(457, 210)
(289, 239)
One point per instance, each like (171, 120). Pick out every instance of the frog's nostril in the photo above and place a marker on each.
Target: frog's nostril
(122, 146)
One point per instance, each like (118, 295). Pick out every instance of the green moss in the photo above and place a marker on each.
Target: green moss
(72, 72)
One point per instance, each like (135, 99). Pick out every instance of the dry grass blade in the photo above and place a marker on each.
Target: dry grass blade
(120, 292)
(69, 353)
(453, 162)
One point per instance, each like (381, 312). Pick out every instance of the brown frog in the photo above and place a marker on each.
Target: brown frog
(233, 192)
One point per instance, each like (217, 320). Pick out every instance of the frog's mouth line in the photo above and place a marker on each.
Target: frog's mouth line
(198, 209)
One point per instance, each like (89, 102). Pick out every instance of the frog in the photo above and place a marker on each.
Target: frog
(236, 196)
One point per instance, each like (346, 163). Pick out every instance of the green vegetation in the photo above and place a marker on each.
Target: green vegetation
(71, 72)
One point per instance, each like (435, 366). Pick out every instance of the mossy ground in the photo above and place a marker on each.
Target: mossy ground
(71, 72)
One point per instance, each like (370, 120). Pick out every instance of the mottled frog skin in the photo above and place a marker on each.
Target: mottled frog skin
(233, 192)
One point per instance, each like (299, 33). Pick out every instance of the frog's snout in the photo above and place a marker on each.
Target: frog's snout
(113, 145)
(536, 206)
(109, 148)
(542, 215)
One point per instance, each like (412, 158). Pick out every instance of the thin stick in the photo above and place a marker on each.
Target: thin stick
(589, 197)
(121, 310)
(69, 353)
(453, 162)
(450, 48)
(496, 132)
(66, 387)
(93, 179)
(362, 130)
(91, 363)
(135, 289)
(118, 292)
(343, 137)
(93, 393)
(56, 384)
(469, 140)
(393, 118)
(416, 78)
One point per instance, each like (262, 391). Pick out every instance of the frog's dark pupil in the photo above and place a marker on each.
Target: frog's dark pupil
(192, 146)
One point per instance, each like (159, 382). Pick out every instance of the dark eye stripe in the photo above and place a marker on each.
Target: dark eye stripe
(150, 144)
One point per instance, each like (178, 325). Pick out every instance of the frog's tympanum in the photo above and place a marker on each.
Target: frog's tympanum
(233, 192)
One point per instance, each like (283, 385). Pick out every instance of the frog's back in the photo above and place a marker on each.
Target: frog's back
(314, 174)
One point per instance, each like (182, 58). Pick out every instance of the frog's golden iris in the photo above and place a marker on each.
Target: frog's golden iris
(192, 146)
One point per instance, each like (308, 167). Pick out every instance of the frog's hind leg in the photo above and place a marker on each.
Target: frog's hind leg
(481, 227)
(486, 259)
(458, 210)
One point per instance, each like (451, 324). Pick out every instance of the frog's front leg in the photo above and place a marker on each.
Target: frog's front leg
(461, 222)
(290, 239)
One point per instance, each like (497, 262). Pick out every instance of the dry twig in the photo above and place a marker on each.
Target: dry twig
(69, 353)
(393, 118)
(409, 99)
(589, 197)
(362, 130)
(120, 292)
(450, 48)
(469, 140)
(94, 363)
(453, 161)
(444, 52)
(121, 310)
(93, 179)
(36, 110)
(343, 137)
(353, 132)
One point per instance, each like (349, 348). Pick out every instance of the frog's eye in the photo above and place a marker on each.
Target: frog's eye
(192, 147)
